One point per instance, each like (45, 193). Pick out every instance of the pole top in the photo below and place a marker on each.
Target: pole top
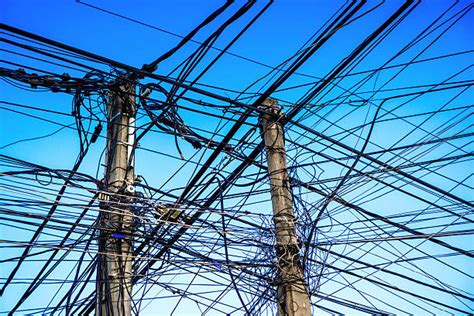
(271, 105)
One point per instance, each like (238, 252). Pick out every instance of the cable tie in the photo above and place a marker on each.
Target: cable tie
(118, 235)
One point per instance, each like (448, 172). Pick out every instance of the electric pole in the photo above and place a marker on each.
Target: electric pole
(114, 271)
(292, 293)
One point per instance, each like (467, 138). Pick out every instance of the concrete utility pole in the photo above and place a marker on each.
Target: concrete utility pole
(114, 272)
(293, 298)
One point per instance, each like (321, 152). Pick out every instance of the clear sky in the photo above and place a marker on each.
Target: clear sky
(345, 104)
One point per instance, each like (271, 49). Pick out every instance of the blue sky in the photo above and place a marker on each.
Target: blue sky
(276, 36)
